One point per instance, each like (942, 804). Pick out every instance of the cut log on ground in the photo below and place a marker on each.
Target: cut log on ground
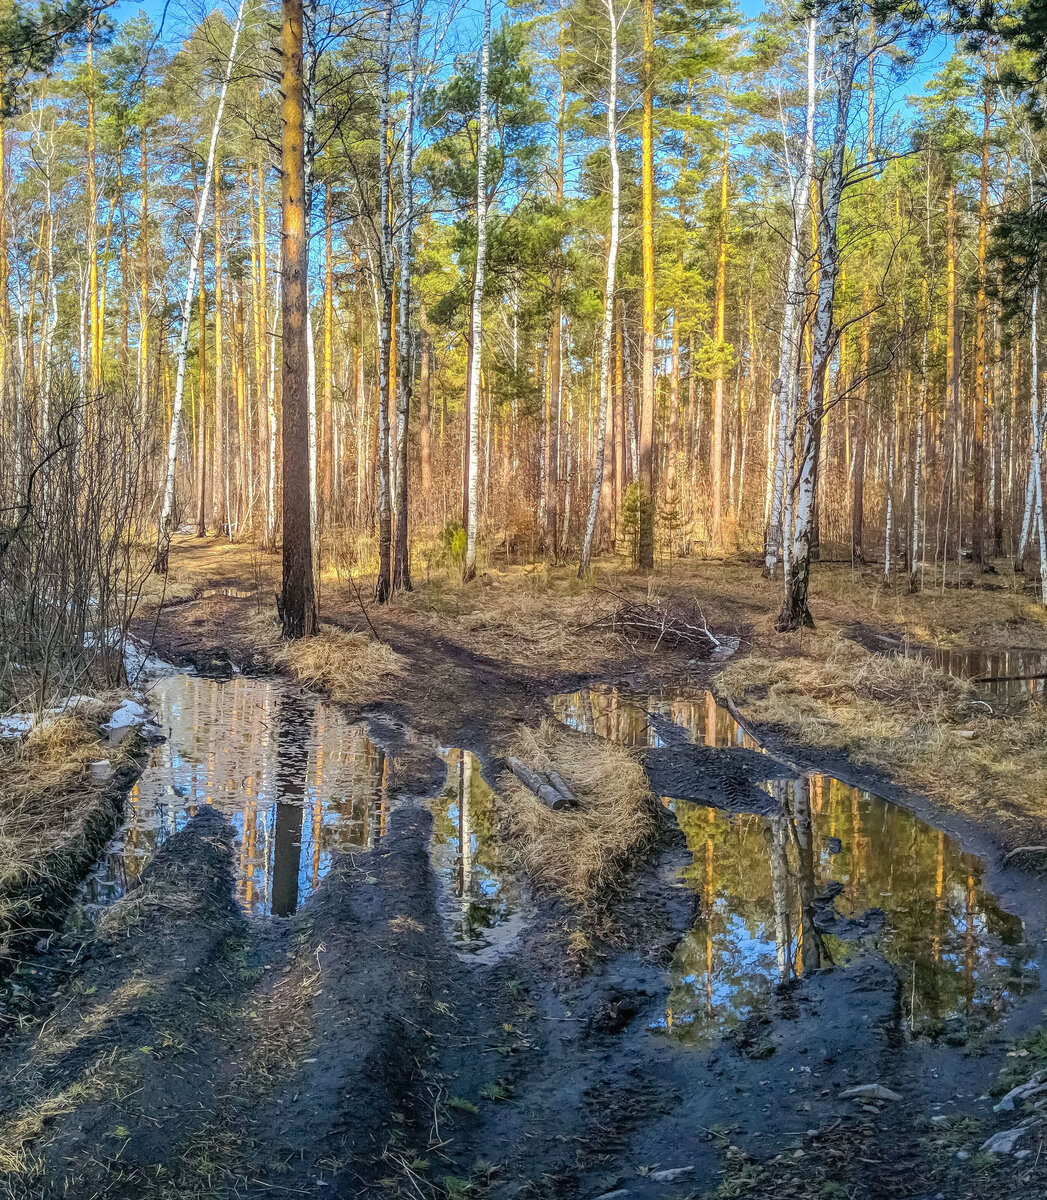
(552, 792)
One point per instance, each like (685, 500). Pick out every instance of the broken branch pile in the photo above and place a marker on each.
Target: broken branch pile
(635, 622)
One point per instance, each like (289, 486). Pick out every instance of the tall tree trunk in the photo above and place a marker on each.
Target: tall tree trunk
(384, 583)
(608, 296)
(476, 316)
(298, 598)
(787, 383)
(719, 332)
(201, 413)
(405, 378)
(143, 268)
(221, 428)
(981, 366)
(328, 455)
(646, 446)
(167, 510)
(425, 432)
(795, 612)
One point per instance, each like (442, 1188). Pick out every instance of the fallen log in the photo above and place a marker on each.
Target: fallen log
(545, 791)
(556, 779)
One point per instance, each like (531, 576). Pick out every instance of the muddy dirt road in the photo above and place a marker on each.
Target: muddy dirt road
(304, 968)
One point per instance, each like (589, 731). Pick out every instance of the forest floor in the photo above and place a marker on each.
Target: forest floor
(189, 1051)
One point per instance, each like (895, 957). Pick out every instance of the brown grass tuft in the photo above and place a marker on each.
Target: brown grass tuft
(904, 717)
(53, 818)
(578, 854)
(349, 667)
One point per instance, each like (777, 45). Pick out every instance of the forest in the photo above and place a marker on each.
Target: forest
(523, 599)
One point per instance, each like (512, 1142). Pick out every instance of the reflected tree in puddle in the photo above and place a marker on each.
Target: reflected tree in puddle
(481, 900)
(785, 894)
(298, 782)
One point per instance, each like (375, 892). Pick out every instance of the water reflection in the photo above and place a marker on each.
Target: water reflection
(1001, 672)
(779, 893)
(298, 782)
(482, 902)
(633, 718)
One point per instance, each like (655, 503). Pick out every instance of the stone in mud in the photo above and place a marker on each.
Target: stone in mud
(1004, 1141)
(671, 1175)
(869, 1091)
(1031, 1087)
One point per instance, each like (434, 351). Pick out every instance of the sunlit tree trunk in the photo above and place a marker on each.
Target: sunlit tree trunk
(795, 612)
(201, 412)
(476, 315)
(646, 446)
(719, 332)
(95, 348)
(424, 419)
(143, 285)
(384, 582)
(221, 429)
(787, 383)
(608, 296)
(298, 601)
(405, 376)
(981, 367)
(167, 510)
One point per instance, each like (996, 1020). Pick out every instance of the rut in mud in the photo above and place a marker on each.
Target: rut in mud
(311, 971)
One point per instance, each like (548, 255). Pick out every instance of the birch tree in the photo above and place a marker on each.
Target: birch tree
(167, 510)
(476, 314)
(795, 296)
(609, 286)
(794, 612)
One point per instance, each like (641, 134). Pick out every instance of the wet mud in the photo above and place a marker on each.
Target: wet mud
(303, 967)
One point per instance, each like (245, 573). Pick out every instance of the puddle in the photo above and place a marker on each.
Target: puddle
(235, 593)
(298, 782)
(1000, 672)
(762, 879)
(483, 904)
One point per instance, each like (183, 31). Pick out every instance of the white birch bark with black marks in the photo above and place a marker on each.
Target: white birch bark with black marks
(795, 612)
(608, 298)
(167, 509)
(795, 297)
(476, 314)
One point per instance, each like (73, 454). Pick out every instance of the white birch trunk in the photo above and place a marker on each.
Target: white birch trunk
(788, 368)
(608, 295)
(823, 341)
(476, 316)
(187, 305)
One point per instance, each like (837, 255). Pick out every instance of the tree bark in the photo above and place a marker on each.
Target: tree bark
(608, 297)
(298, 598)
(476, 315)
(167, 510)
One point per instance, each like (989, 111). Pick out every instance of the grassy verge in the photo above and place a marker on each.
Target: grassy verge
(901, 716)
(54, 818)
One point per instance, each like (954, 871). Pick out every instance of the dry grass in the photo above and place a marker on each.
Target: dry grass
(577, 854)
(927, 729)
(349, 667)
(52, 817)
